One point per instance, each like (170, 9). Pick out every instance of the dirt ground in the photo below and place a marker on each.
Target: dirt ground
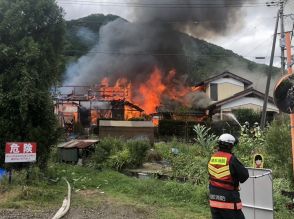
(86, 204)
(92, 204)
(104, 211)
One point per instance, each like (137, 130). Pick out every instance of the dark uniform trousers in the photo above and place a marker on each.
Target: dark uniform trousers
(218, 213)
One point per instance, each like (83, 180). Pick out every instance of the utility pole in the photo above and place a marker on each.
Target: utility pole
(282, 41)
(289, 67)
(269, 75)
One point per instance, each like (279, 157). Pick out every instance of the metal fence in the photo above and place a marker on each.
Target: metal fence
(257, 194)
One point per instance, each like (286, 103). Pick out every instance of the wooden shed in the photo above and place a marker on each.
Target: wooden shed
(74, 150)
(127, 129)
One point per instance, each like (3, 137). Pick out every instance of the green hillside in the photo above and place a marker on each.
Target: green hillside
(75, 45)
(197, 58)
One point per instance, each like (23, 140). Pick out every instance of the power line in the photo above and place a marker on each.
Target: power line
(163, 5)
(151, 53)
(87, 21)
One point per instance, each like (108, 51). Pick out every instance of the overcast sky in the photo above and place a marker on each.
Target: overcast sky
(254, 38)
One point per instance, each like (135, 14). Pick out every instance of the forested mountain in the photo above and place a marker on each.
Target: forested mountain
(83, 34)
(196, 58)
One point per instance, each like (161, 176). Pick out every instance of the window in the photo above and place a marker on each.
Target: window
(213, 92)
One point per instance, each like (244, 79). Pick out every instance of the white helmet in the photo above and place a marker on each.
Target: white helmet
(227, 140)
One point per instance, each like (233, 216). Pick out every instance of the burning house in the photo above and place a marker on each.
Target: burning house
(157, 98)
(94, 104)
(142, 67)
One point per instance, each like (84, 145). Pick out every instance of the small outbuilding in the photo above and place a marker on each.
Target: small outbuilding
(127, 129)
(74, 150)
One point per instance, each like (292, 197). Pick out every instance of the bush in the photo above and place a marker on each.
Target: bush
(251, 143)
(119, 160)
(278, 145)
(118, 154)
(190, 163)
(153, 156)
(204, 139)
(220, 127)
(138, 150)
(190, 167)
(247, 115)
(164, 148)
(181, 129)
(103, 150)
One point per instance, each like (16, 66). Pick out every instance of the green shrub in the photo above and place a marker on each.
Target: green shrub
(247, 115)
(190, 163)
(117, 153)
(220, 127)
(190, 167)
(278, 145)
(138, 150)
(164, 148)
(103, 150)
(204, 139)
(180, 129)
(153, 156)
(54, 155)
(119, 160)
(250, 144)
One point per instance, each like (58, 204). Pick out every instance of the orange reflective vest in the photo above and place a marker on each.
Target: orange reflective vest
(220, 177)
(225, 205)
(219, 171)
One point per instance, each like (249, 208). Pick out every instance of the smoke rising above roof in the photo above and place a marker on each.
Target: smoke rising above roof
(134, 50)
(194, 16)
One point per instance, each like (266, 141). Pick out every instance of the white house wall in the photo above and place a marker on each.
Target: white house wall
(228, 81)
(226, 87)
(248, 101)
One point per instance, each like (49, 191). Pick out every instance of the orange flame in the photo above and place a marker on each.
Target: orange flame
(147, 95)
(150, 92)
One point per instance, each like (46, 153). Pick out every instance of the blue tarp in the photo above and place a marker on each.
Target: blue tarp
(2, 173)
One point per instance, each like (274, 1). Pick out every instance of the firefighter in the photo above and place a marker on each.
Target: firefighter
(225, 174)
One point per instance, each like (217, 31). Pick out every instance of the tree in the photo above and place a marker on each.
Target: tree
(247, 115)
(31, 61)
(278, 147)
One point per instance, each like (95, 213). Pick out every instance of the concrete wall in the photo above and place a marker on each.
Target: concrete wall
(127, 132)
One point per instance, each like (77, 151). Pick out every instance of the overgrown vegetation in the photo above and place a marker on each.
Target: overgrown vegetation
(167, 198)
(247, 115)
(118, 153)
(31, 48)
(189, 164)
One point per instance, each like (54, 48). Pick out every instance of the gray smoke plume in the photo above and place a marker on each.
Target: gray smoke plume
(129, 50)
(132, 50)
(86, 35)
(199, 18)
(197, 100)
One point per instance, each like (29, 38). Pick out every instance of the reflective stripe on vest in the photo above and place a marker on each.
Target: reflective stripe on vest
(225, 205)
(219, 171)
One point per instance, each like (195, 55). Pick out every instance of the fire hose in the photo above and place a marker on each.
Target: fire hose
(262, 175)
(65, 204)
(258, 176)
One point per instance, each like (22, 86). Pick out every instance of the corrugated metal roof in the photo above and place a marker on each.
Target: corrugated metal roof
(81, 144)
(114, 123)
